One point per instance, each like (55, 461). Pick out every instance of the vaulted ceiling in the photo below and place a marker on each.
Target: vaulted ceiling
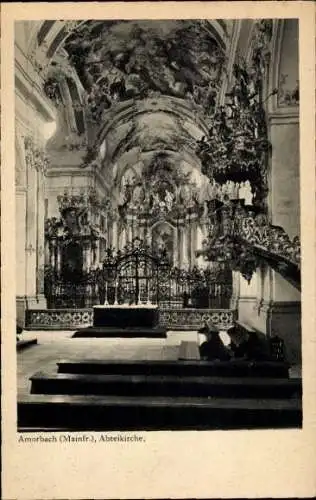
(145, 86)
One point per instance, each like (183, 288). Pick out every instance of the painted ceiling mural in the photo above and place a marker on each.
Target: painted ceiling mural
(157, 86)
(146, 85)
(121, 60)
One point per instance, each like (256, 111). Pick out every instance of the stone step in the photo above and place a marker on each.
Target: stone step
(111, 332)
(157, 385)
(100, 413)
(233, 368)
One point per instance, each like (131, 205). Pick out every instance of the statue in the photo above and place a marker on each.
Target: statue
(241, 192)
(205, 210)
(230, 189)
(248, 194)
(138, 195)
(169, 200)
(156, 200)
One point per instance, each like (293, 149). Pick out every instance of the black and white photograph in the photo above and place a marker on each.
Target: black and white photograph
(157, 198)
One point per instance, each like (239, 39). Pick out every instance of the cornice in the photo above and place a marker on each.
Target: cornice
(284, 117)
(66, 170)
(247, 299)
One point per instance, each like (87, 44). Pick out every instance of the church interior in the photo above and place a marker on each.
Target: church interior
(157, 224)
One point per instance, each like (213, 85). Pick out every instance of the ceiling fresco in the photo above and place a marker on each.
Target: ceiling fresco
(125, 59)
(148, 85)
(139, 88)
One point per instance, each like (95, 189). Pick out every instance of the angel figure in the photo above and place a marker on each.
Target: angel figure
(169, 200)
(248, 193)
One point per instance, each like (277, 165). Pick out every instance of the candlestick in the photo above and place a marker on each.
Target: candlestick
(106, 303)
(148, 295)
(115, 298)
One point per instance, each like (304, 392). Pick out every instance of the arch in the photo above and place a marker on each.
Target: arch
(43, 31)
(76, 101)
(165, 221)
(129, 110)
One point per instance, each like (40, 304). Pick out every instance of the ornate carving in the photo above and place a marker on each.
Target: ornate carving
(86, 198)
(74, 318)
(196, 318)
(40, 279)
(162, 191)
(152, 64)
(288, 96)
(241, 238)
(58, 318)
(35, 156)
(70, 26)
(52, 90)
(258, 232)
(237, 145)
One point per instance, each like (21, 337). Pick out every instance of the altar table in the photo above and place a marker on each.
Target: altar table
(126, 316)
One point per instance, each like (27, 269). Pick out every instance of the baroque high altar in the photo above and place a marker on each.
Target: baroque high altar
(162, 205)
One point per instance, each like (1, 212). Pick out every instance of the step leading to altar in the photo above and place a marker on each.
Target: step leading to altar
(172, 319)
(164, 385)
(38, 412)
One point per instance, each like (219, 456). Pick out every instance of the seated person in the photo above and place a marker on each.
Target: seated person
(252, 348)
(213, 347)
(277, 348)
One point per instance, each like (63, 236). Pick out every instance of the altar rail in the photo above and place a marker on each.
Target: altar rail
(173, 294)
(173, 319)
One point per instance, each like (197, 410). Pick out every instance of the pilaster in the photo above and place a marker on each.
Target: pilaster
(184, 248)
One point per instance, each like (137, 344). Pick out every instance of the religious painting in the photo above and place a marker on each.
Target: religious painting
(162, 236)
(72, 262)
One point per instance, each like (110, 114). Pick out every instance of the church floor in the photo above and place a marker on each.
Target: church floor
(54, 346)
(129, 403)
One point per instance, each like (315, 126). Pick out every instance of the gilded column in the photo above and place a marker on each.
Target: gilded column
(193, 242)
(129, 229)
(184, 247)
(114, 233)
(53, 257)
(176, 248)
(58, 259)
(97, 252)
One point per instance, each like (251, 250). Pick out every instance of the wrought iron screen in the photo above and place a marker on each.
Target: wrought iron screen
(137, 275)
